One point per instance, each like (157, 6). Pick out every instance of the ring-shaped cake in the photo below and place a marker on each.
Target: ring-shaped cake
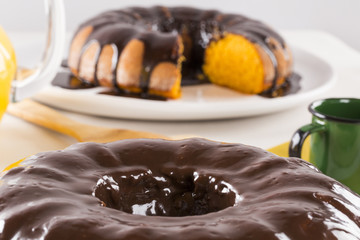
(161, 189)
(153, 50)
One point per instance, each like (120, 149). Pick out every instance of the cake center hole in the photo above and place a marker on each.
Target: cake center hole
(173, 194)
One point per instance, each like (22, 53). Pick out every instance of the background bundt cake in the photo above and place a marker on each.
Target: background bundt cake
(150, 50)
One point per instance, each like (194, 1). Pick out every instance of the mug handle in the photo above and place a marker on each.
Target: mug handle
(299, 137)
(52, 57)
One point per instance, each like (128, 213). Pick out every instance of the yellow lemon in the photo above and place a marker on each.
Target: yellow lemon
(7, 69)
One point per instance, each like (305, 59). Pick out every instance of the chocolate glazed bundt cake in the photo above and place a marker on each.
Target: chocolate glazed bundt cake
(150, 50)
(173, 190)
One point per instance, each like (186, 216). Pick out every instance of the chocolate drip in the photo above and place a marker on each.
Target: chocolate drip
(190, 189)
(159, 48)
(290, 86)
(159, 27)
(67, 80)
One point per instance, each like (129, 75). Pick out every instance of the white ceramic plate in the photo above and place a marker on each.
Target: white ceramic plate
(199, 102)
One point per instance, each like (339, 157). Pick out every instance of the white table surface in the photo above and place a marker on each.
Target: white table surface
(19, 139)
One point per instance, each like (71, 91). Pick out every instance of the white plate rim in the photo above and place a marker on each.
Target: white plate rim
(88, 102)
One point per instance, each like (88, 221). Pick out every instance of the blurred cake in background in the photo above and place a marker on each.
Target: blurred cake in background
(156, 50)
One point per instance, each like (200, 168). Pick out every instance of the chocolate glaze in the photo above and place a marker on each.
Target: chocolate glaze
(290, 86)
(159, 27)
(117, 28)
(158, 189)
(142, 95)
(66, 79)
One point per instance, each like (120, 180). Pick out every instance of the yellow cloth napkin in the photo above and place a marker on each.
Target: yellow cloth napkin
(283, 150)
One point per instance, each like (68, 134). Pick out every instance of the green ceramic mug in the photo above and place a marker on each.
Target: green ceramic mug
(335, 139)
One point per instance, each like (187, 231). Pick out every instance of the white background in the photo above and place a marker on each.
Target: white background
(339, 17)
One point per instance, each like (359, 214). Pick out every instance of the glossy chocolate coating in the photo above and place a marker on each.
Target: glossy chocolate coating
(159, 27)
(188, 189)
